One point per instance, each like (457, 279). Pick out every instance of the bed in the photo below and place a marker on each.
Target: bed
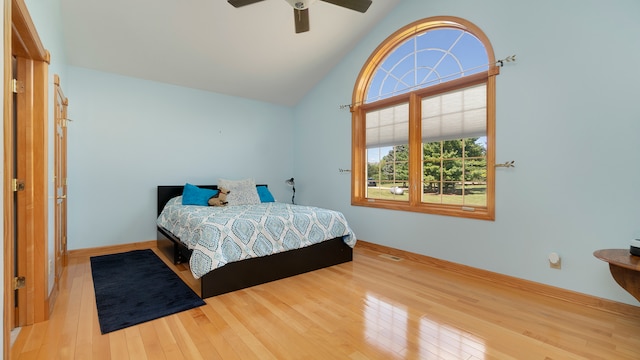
(251, 271)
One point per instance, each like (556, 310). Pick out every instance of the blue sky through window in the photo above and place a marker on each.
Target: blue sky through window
(433, 57)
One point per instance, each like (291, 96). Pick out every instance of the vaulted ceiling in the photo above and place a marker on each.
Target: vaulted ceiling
(252, 51)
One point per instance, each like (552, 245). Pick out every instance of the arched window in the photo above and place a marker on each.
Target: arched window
(424, 122)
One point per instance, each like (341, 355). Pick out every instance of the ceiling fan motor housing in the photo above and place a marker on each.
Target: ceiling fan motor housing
(301, 9)
(300, 4)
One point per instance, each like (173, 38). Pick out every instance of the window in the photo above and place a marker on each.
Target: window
(424, 122)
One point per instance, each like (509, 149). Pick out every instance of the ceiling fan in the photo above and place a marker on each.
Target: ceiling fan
(301, 9)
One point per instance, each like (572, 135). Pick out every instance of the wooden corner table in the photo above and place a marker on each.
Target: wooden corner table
(624, 267)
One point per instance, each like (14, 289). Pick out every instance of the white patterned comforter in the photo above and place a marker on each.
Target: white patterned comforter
(220, 235)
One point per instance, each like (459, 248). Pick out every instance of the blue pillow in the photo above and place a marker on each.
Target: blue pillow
(265, 194)
(193, 195)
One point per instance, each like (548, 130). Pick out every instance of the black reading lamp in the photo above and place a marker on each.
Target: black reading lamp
(292, 183)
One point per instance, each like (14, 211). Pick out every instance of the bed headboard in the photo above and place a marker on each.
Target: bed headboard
(167, 192)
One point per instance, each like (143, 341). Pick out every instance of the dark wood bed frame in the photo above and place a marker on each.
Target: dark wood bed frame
(246, 273)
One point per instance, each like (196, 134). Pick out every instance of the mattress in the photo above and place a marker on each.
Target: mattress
(220, 235)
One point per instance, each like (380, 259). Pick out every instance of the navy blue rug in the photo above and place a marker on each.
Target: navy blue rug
(135, 287)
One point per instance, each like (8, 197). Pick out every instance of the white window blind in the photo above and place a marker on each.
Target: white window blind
(388, 126)
(455, 115)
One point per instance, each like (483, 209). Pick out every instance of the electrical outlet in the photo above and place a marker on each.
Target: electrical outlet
(50, 266)
(555, 262)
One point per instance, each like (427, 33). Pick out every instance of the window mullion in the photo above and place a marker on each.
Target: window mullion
(415, 150)
(358, 155)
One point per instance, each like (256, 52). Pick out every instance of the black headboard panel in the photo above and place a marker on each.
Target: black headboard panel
(168, 192)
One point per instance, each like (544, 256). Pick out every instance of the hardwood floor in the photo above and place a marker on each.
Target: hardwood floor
(371, 308)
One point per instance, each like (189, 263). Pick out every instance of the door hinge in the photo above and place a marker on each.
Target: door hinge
(17, 86)
(17, 185)
(19, 282)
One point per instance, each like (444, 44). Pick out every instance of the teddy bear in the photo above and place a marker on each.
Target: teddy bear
(219, 199)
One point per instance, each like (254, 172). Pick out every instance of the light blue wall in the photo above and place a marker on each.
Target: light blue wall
(567, 113)
(130, 135)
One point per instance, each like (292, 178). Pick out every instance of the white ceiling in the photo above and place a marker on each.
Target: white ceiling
(252, 52)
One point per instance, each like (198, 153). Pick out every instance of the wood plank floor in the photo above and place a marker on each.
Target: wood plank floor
(371, 308)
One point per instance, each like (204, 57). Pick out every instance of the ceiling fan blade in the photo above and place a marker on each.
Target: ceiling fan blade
(357, 5)
(240, 3)
(301, 20)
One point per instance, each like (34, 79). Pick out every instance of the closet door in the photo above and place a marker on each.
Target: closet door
(60, 180)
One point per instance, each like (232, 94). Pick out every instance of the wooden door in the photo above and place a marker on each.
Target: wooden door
(25, 154)
(60, 178)
(19, 199)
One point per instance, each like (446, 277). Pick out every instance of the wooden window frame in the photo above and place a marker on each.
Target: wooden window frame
(360, 108)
